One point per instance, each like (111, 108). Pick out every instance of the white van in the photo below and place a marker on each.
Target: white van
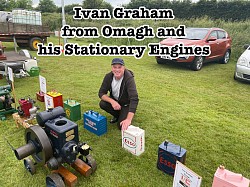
(242, 70)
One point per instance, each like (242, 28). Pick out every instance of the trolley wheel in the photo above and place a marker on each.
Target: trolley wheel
(29, 165)
(33, 43)
(91, 162)
(54, 180)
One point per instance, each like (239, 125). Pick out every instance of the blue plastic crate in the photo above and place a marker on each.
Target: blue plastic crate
(95, 122)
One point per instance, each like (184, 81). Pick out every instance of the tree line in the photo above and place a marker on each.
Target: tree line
(229, 10)
(48, 6)
(232, 10)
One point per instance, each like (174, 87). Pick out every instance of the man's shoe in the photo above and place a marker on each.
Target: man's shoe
(114, 120)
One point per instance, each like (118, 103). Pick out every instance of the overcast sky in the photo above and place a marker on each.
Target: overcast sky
(69, 2)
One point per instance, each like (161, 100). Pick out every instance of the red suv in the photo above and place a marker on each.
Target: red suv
(218, 40)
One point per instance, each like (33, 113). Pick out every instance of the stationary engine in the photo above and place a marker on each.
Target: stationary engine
(27, 108)
(6, 101)
(53, 142)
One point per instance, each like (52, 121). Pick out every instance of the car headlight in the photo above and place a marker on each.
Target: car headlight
(242, 61)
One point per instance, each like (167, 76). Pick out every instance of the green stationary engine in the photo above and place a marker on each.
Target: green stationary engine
(6, 101)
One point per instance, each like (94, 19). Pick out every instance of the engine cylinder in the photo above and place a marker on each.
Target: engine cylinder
(25, 151)
(43, 117)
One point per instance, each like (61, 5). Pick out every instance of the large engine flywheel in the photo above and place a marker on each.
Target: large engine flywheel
(37, 136)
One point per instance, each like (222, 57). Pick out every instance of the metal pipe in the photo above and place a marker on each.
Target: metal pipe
(63, 20)
(25, 151)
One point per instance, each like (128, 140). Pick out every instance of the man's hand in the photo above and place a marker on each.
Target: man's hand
(124, 124)
(116, 105)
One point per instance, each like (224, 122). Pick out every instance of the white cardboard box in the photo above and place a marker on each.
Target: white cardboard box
(133, 139)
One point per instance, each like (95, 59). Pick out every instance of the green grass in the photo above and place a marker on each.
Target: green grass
(206, 112)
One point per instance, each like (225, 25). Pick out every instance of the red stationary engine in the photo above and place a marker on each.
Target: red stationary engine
(26, 107)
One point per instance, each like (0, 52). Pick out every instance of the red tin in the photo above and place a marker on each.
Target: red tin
(40, 96)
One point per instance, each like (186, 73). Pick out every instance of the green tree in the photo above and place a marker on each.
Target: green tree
(106, 5)
(138, 3)
(25, 4)
(96, 4)
(3, 5)
(47, 6)
(68, 9)
(11, 4)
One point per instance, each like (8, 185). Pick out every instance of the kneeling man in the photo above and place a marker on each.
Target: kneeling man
(122, 100)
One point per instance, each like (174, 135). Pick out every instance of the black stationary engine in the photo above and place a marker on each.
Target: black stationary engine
(53, 142)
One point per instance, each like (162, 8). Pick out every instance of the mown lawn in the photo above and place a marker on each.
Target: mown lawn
(206, 112)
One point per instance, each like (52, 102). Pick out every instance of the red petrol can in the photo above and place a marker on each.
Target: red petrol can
(40, 96)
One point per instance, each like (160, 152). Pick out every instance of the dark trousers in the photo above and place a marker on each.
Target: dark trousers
(120, 114)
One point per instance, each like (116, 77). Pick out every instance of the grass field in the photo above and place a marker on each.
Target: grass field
(206, 112)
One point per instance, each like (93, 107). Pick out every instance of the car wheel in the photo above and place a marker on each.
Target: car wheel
(235, 78)
(226, 57)
(197, 63)
(159, 61)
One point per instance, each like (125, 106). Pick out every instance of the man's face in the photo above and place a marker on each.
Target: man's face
(118, 70)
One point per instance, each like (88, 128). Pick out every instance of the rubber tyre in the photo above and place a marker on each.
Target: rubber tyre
(197, 63)
(160, 62)
(33, 43)
(226, 57)
(91, 162)
(54, 180)
(29, 166)
(235, 78)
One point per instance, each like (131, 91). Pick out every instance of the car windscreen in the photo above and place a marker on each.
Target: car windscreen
(195, 34)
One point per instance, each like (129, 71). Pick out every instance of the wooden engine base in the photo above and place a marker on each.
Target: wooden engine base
(20, 121)
(69, 178)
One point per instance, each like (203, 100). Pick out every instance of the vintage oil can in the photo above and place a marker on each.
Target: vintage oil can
(168, 153)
